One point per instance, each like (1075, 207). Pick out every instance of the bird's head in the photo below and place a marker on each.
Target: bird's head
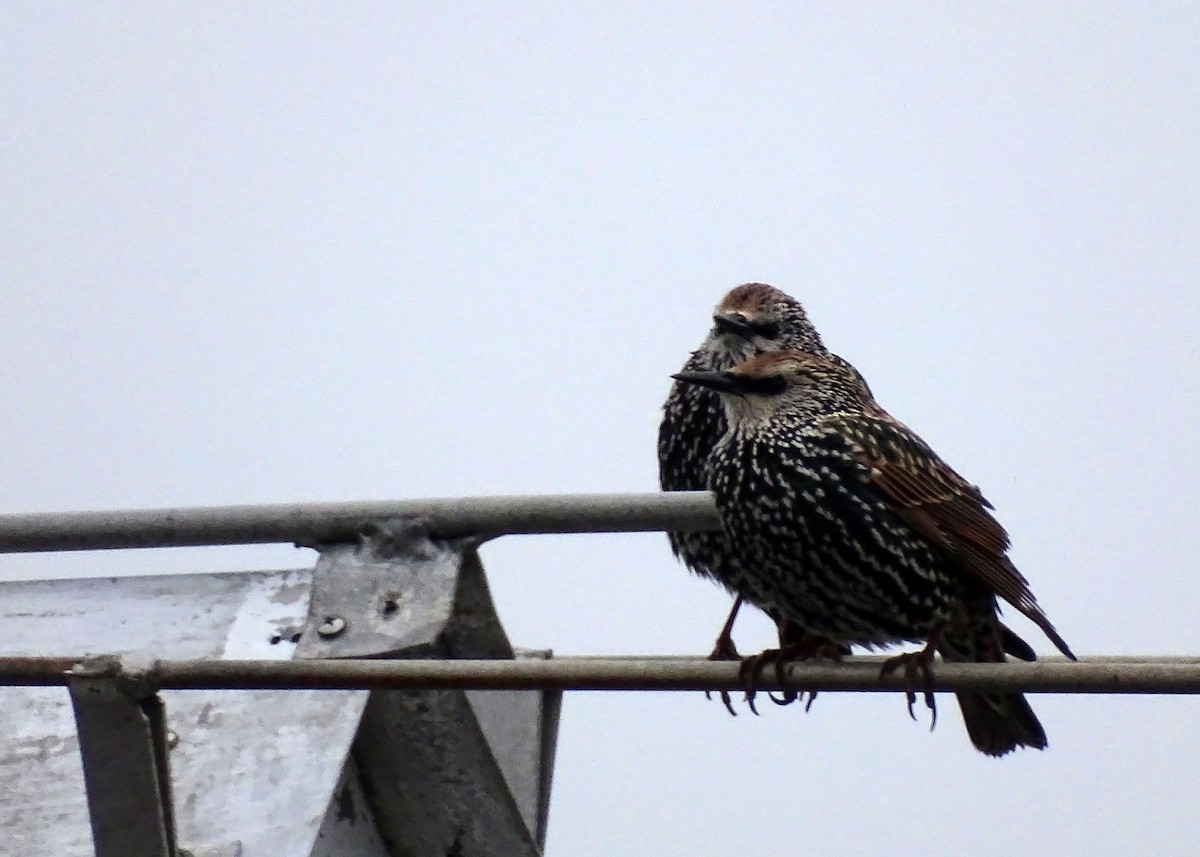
(755, 318)
(787, 382)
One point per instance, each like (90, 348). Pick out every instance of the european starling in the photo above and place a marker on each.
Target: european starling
(751, 319)
(845, 523)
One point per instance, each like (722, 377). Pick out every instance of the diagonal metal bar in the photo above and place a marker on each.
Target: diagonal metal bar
(123, 744)
(1094, 676)
(317, 523)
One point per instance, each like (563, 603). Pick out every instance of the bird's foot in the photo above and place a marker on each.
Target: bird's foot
(724, 650)
(916, 664)
(749, 671)
(808, 649)
(813, 649)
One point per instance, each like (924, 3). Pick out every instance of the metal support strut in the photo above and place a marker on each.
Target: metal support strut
(123, 744)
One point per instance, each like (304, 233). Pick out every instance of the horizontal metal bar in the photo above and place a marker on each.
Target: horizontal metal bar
(26, 671)
(316, 523)
(1053, 675)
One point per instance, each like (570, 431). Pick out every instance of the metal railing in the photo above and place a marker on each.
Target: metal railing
(490, 517)
(317, 523)
(121, 720)
(1095, 675)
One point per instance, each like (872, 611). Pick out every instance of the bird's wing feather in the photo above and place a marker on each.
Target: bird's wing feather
(942, 506)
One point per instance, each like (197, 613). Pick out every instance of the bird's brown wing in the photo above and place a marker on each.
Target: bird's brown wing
(943, 507)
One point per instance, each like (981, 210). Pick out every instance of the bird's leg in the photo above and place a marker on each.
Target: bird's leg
(796, 648)
(914, 664)
(725, 650)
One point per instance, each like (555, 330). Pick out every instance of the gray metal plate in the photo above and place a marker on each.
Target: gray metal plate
(251, 770)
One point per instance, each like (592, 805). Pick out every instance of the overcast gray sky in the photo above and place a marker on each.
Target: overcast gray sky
(287, 252)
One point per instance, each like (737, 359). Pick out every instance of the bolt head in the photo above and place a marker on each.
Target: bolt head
(331, 627)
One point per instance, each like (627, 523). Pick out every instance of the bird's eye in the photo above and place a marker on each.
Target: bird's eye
(765, 329)
(770, 385)
(732, 323)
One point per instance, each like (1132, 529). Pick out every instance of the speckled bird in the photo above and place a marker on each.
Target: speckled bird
(844, 522)
(753, 318)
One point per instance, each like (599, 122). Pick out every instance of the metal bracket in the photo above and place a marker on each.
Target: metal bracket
(123, 743)
(398, 593)
(443, 772)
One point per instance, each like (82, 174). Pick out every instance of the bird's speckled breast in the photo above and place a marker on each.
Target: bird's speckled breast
(822, 546)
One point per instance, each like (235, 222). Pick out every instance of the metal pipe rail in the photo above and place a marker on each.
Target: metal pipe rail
(309, 524)
(1139, 675)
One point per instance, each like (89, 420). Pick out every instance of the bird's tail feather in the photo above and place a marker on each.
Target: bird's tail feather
(998, 723)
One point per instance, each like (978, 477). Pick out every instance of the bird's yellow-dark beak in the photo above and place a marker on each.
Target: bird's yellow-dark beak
(719, 381)
(733, 324)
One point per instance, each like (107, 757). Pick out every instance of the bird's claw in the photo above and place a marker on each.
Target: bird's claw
(915, 664)
(748, 674)
(786, 697)
(806, 649)
(725, 698)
